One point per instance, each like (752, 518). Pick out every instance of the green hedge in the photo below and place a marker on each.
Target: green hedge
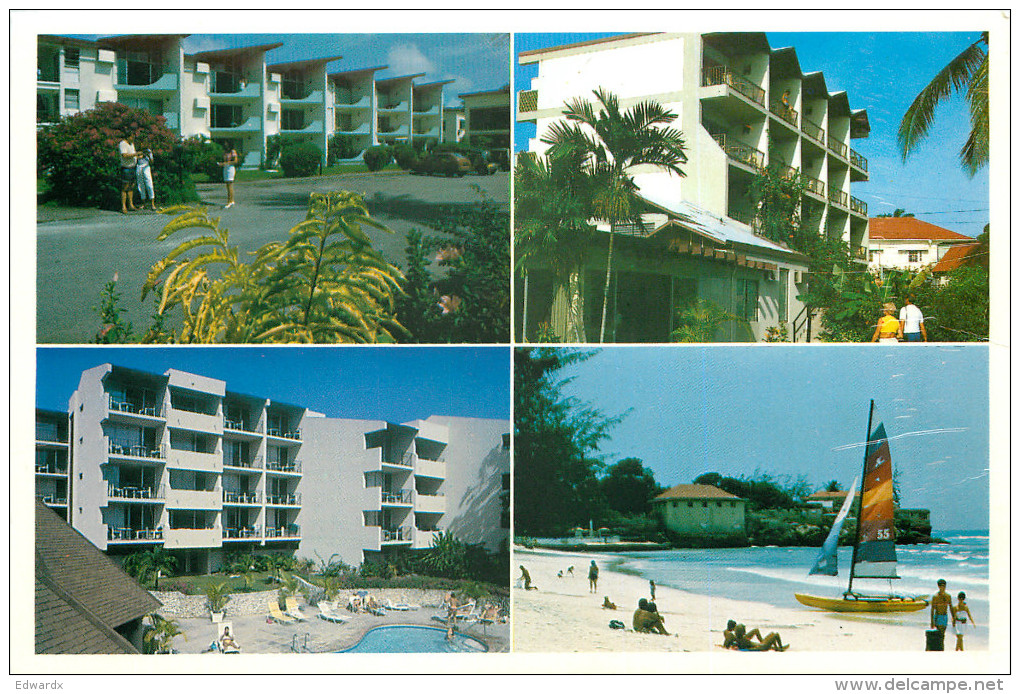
(378, 157)
(300, 159)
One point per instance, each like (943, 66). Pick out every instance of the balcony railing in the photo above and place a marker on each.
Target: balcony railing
(784, 111)
(839, 197)
(837, 147)
(857, 160)
(813, 185)
(402, 496)
(54, 500)
(245, 533)
(241, 497)
(134, 408)
(723, 75)
(115, 492)
(284, 499)
(130, 534)
(741, 151)
(396, 534)
(527, 101)
(234, 425)
(813, 130)
(405, 460)
(274, 466)
(288, 531)
(136, 451)
(246, 464)
(46, 469)
(858, 206)
(294, 434)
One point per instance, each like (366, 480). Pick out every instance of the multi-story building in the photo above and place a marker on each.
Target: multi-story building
(234, 96)
(741, 106)
(51, 459)
(178, 461)
(487, 118)
(906, 243)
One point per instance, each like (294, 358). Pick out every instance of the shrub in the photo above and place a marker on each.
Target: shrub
(378, 157)
(203, 156)
(78, 157)
(342, 146)
(300, 159)
(274, 143)
(405, 155)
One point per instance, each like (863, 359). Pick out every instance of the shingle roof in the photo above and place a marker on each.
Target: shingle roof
(902, 228)
(80, 591)
(958, 256)
(694, 491)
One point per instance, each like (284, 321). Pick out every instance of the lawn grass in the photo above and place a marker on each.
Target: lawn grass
(249, 175)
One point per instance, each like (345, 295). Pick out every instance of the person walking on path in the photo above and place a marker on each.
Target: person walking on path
(229, 165)
(593, 577)
(128, 157)
(888, 327)
(941, 603)
(912, 322)
(962, 619)
(143, 176)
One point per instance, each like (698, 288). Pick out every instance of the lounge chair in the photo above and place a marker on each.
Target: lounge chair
(464, 612)
(218, 644)
(399, 607)
(294, 611)
(276, 614)
(328, 613)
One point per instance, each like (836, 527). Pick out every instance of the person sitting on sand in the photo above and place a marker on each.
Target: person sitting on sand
(227, 642)
(570, 570)
(607, 605)
(526, 577)
(559, 574)
(647, 622)
(728, 637)
(742, 640)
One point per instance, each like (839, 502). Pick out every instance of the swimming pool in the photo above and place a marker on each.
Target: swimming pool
(406, 638)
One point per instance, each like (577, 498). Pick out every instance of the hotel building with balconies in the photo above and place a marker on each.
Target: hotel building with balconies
(233, 95)
(741, 106)
(178, 461)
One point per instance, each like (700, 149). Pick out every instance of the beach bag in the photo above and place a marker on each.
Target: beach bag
(934, 640)
(616, 624)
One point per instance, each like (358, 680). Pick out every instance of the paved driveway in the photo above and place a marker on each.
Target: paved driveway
(78, 250)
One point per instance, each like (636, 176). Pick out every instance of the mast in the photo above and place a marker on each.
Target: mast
(860, 507)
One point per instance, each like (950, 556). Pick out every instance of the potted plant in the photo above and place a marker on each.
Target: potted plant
(217, 597)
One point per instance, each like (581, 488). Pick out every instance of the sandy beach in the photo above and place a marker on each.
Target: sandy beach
(562, 616)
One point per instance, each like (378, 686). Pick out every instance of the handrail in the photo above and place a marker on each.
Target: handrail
(837, 146)
(740, 151)
(720, 74)
(784, 111)
(813, 185)
(802, 320)
(813, 130)
(840, 197)
(858, 206)
(858, 160)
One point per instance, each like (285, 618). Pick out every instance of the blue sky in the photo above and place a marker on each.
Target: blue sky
(881, 72)
(395, 384)
(802, 411)
(475, 61)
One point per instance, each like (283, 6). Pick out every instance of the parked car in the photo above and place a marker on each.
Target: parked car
(446, 163)
(501, 157)
(482, 164)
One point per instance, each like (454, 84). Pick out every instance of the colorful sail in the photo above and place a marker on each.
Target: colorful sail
(827, 564)
(876, 549)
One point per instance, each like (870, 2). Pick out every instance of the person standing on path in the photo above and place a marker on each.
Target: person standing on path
(229, 165)
(128, 157)
(941, 603)
(593, 577)
(912, 322)
(143, 176)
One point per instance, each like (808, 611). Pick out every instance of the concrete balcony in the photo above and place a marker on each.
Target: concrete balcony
(240, 430)
(858, 207)
(134, 536)
(292, 500)
(134, 454)
(290, 469)
(245, 93)
(784, 112)
(430, 468)
(194, 421)
(398, 131)
(313, 97)
(248, 533)
(192, 460)
(251, 467)
(837, 147)
(813, 185)
(427, 132)
(290, 532)
(396, 536)
(50, 471)
(740, 151)
(314, 127)
(184, 538)
(721, 75)
(399, 498)
(363, 129)
(813, 130)
(363, 102)
(55, 501)
(193, 499)
(839, 197)
(133, 411)
(423, 539)
(429, 503)
(138, 495)
(164, 85)
(393, 108)
(284, 435)
(527, 105)
(252, 125)
(241, 498)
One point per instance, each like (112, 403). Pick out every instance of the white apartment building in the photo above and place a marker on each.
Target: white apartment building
(487, 118)
(235, 95)
(741, 106)
(176, 460)
(906, 243)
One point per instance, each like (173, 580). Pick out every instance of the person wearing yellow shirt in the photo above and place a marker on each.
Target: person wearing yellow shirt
(888, 327)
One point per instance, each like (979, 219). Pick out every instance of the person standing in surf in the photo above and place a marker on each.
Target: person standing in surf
(593, 577)
(961, 618)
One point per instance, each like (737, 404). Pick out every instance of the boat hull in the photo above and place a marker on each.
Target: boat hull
(891, 604)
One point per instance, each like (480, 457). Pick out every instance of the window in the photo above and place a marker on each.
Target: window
(913, 256)
(747, 299)
(225, 116)
(72, 99)
(292, 119)
(494, 118)
(71, 58)
(874, 256)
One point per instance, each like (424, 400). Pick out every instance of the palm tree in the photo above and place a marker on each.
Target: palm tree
(967, 71)
(612, 142)
(160, 636)
(898, 212)
(552, 209)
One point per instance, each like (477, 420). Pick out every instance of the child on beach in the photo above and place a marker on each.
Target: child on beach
(961, 618)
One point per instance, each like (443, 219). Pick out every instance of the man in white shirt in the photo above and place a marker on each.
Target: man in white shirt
(912, 322)
(128, 157)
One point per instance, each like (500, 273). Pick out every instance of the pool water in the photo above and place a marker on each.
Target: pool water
(414, 639)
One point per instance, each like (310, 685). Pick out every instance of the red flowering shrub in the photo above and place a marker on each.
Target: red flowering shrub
(79, 159)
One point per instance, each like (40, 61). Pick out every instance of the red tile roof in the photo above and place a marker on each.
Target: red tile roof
(957, 256)
(902, 228)
(694, 491)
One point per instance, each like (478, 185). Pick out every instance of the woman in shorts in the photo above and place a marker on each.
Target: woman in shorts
(229, 165)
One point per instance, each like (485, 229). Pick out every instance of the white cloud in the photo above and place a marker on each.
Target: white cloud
(406, 59)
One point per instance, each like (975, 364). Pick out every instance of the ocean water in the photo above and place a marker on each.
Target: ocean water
(772, 575)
